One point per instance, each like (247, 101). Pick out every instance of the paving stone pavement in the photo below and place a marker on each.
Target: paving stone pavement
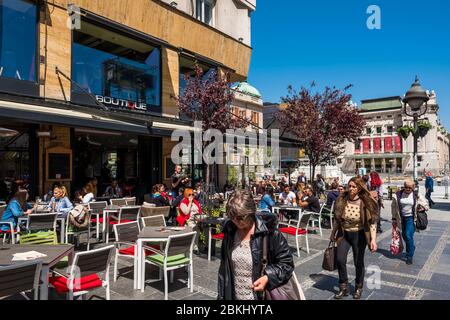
(427, 278)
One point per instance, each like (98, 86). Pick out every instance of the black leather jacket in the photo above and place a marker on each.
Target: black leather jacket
(280, 265)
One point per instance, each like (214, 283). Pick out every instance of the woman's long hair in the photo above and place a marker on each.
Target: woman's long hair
(375, 180)
(19, 194)
(365, 197)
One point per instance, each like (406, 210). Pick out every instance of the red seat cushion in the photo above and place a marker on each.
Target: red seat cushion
(121, 221)
(85, 283)
(129, 251)
(94, 220)
(7, 231)
(218, 236)
(293, 230)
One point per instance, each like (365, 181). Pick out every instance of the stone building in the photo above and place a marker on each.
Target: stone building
(380, 148)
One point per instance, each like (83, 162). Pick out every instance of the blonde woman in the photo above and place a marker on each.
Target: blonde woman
(60, 203)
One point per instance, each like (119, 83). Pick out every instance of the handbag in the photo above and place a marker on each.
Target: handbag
(291, 290)
(329, 262)
(396, 241)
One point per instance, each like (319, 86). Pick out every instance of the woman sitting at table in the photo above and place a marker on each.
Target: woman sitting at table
(87, 194)
(267, 201)
(60, 203)
(157, 197)
(17, 207)
(188, 208)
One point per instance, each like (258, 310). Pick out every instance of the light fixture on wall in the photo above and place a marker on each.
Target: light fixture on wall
(241, 39)
(6, 133)
(44, 134)
(174, 4)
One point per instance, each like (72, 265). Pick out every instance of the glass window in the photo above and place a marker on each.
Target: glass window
(390, 129)
(18, 39)
(379, 129)
(187, 68)
(204, 11)
(120, 71)
(369, 130)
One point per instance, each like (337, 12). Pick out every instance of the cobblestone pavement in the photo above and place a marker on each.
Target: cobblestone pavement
(427, 278)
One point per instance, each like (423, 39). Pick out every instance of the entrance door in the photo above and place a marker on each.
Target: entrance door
(149, 164)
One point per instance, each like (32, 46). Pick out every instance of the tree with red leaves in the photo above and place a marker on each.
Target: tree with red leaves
(208, 100)
(323, 121)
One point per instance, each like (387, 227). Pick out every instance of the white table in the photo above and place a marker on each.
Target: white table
(281, 216)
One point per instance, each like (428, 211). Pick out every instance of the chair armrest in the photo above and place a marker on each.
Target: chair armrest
(153, 250)
(123, 243)
(11, 225)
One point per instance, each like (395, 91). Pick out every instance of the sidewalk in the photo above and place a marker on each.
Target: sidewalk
(427, 278)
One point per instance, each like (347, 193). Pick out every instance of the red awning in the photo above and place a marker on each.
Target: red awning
(366, 145)
(388, 144)
(377, 145)
(398, 144)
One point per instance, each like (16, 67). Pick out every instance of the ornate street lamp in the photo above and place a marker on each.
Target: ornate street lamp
(415, 105)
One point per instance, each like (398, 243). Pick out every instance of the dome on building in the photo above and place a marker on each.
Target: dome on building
(245, 88)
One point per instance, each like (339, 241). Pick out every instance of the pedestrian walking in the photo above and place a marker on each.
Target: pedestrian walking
(405, 205)
(242, 252)
(429, 183)
(356, 216)
(376, 190)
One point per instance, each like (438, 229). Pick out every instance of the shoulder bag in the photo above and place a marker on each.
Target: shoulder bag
(329, 262)
(291, 290)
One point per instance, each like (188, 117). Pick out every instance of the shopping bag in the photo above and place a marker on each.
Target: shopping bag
(396, 241)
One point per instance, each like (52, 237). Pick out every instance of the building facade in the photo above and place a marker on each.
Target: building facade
(380, 148)
(89, 93)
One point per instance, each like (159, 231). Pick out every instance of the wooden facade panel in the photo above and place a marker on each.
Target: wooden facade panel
(170, 81)
(58, 54)
(168, 24)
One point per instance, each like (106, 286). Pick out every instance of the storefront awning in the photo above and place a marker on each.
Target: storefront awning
(40, 114)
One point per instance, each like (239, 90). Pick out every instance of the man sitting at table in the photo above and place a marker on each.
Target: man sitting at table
(287, 196)
(309, 202)
(113, 191)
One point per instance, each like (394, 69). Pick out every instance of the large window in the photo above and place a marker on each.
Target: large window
(187, 69)
(18, 40)
(120, 71)
(205, 11)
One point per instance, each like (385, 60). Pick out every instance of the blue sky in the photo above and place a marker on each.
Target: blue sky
(296, 42)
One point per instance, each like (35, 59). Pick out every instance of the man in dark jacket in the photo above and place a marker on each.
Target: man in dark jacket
(429, 189)
(280, 260)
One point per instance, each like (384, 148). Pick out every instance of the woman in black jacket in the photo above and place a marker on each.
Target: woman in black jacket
(241, 264)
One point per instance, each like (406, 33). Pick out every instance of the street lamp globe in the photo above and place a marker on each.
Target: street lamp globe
(415, 98)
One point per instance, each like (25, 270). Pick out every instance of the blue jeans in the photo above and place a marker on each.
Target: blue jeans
(408, 229)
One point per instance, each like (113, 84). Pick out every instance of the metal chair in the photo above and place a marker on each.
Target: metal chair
(154, 211)
(40, 229)
(317, 217)
(177, 254)
(130, 201)
(84, 273)
(217, 237)
(297, 228)
(126, 214)
(118, 202)
(20, 277)
(96, 209)
(11, 231)
(153, 221)
(329, 213)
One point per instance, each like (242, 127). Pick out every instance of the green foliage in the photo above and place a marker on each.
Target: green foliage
(404, 131)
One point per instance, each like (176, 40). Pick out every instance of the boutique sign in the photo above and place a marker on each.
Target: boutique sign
(121, 103)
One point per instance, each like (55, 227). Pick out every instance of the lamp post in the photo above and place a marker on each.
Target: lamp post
(415, 105)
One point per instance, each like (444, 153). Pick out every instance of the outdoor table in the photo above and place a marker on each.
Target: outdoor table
(58, 219)
(151, 234)
(105, 213)
(285, 207)
(55, 253)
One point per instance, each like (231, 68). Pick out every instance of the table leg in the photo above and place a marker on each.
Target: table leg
(137, 275)
(63, 230)
(104, 226)
(44, 285)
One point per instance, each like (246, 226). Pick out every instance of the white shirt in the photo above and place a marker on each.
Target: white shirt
(287, 198)
(88, 198)
(406, 204)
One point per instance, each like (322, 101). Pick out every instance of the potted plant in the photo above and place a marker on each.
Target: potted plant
(424, 126)
(404, 131)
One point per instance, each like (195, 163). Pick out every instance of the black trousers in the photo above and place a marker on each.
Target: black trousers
(357, 241)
